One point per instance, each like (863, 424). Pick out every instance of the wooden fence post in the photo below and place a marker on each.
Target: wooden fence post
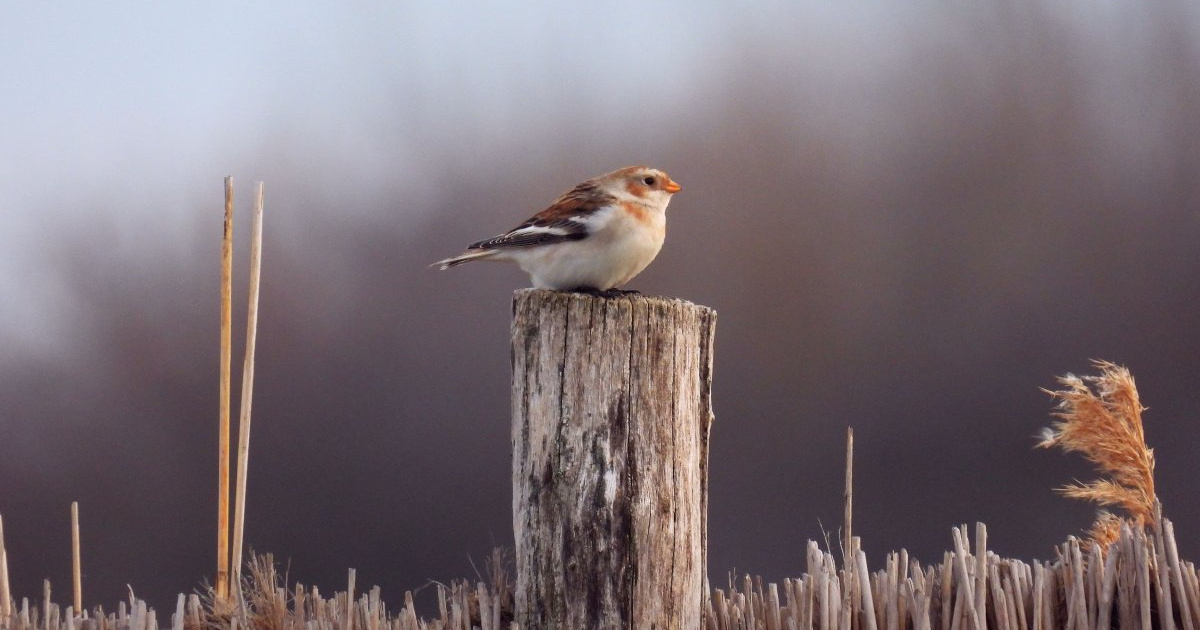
(611, 414)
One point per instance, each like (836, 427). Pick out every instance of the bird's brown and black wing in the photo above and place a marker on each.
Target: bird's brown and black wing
(565, 220)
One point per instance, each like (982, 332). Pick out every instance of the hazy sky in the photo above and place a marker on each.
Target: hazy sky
(909, 215)
(115, 110)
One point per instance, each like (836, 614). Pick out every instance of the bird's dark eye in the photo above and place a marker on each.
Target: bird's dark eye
(649, 181)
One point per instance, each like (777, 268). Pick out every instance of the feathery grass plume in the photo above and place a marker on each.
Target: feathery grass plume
(1101, 417)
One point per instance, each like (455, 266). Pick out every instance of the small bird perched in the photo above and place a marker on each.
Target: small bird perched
(595, 237)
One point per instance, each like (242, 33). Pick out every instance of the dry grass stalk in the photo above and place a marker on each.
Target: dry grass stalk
(51, 611)
(350, 599)
(76, 564)
(265, 603)
(243, 463)
(1101, 418)
(5, 595)
(222, 587)
(848, 493)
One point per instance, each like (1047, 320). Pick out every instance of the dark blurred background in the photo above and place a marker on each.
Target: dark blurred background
(910, 216)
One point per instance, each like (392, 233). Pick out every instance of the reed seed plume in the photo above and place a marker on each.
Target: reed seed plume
(1101, 418)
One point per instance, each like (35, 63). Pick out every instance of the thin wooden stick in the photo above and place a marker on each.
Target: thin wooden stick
(76, 566)
(848, 496)
(5, 596)
(222, 586)
(239, 516)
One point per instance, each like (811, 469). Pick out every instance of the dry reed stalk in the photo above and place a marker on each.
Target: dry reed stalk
(980, 573)
(1075, 592)
(1161, 568)
(5, 595)
(1143, 574)
(1107, 586)
(848, 493)
(243, 463)
(1186, 606)
(864, 580)
(46, 605)
(947, 601)
(222, 581)
(967, 586)
(76, 565)
(1101, 418)
(350, 601)
(1040, 605)
(180, 615)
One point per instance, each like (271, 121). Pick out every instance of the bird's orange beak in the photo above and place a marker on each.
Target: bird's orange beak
(672, 187)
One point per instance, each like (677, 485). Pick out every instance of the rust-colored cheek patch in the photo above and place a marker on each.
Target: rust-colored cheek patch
(636, 189)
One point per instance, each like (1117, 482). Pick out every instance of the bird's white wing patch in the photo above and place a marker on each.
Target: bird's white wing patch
(537, 229)
(592, 220)
(532, 234)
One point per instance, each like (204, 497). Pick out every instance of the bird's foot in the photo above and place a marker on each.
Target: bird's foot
(607, 293)
(592, 291)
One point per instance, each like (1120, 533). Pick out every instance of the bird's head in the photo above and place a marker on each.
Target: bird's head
(642, 183)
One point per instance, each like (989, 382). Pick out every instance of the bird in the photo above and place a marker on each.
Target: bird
(594, 238)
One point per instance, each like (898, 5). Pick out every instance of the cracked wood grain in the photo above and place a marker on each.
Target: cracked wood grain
(611, 410)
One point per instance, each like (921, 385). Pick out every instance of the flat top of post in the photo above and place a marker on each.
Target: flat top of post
(570, 296)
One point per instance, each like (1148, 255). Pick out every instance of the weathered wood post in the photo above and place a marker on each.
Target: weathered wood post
(611, 414)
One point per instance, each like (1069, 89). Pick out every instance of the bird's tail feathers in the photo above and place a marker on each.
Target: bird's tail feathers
(465, 257)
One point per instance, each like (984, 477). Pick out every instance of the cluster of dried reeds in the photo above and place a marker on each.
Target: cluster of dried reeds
(268, 604)
(1121, 575)
(1101, 418)
(265, 602)
(1137, 582)
(135, 615)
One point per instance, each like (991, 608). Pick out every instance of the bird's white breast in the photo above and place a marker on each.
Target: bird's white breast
(618, 247)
